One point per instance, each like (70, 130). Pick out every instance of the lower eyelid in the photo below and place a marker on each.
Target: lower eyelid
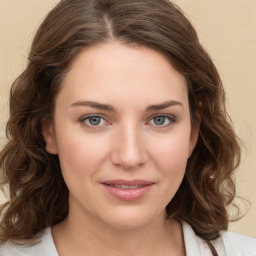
(84, 122)
(84, 118)
(171, 118)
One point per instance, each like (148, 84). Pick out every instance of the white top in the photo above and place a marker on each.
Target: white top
(228, 244)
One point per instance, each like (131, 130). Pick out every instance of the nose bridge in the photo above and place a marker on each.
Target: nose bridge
(130, 150)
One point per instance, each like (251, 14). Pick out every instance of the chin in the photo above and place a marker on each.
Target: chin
(132, 219)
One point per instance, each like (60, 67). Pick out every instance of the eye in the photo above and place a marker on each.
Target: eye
(162, 120)
(93, 121)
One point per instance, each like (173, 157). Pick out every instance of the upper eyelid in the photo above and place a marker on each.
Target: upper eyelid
(164, 114)
(92, 115)
(172, 120)
(84, 117)
(83, 122)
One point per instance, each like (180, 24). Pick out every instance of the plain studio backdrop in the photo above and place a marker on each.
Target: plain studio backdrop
(227, 30)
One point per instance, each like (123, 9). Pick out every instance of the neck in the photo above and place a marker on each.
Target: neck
(92, 237)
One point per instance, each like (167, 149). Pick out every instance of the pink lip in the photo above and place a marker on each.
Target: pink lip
(127, 194)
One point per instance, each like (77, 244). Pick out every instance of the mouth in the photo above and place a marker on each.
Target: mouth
(125, 186)
(128, 190)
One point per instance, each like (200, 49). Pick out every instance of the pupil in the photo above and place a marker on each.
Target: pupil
(94, 120)
(159, 120)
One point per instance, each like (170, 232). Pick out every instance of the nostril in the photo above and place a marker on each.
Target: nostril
(129, 150)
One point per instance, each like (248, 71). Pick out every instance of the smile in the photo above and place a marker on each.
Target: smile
(127, 190)
(125, 186)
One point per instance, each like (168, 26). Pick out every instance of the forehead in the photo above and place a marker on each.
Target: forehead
(113, 70)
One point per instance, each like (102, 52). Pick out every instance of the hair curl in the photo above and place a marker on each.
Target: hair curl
(38, 193)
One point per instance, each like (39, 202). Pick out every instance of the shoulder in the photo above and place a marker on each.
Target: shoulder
(228, 244)
(238, 245)
(43, 247)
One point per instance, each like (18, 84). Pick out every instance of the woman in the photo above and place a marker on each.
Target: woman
(119, 141)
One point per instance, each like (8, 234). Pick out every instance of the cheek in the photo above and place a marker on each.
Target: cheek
(170, 159)
(171, 151)
(80, 154)
(80, 161)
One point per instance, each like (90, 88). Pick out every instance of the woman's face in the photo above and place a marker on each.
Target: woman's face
(122, 131)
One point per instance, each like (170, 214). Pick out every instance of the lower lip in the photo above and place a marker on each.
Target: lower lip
(128, 194)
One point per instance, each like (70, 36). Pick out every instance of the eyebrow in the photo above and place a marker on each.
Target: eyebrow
(96, 105)
(164, 105)
(92, 104)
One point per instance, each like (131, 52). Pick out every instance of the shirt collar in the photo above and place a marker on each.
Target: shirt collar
(191, 242)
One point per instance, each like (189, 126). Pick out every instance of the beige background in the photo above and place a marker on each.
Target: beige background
(227, 29)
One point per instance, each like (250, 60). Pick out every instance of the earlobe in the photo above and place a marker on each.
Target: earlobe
(194, 133)
(49, 137)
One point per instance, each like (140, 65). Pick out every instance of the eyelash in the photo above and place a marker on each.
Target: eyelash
(86, 118)
(171, 118)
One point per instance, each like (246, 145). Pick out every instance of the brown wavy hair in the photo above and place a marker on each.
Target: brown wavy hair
(38, 193)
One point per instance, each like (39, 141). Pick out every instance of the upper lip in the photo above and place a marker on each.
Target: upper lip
(128, 182)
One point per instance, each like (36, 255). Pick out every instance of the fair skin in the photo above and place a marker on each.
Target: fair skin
(122, 131)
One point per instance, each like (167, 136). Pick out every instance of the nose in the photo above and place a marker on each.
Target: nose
(128, 150)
